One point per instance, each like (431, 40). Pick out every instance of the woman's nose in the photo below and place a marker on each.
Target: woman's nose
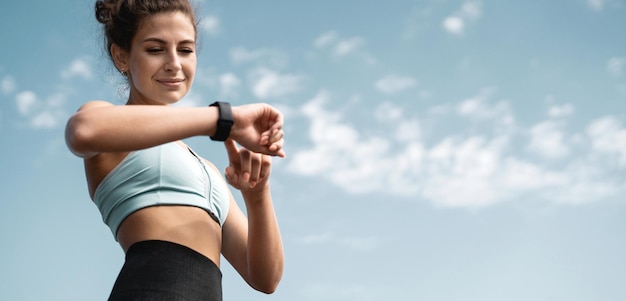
(173, 62)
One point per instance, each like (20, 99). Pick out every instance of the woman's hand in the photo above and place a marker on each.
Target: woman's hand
(247, 171)
(258, 128)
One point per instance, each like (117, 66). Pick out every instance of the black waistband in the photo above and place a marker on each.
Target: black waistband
(162, 270)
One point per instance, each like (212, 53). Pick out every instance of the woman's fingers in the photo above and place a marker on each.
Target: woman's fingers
(255, 169)
(273, 134)
(266, 166)
(276, 136)
(275, 141)
(231, 175)
(246, 168)
(231, 150)
(246, 164)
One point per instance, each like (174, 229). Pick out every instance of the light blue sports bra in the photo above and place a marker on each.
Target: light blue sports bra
(162, 175)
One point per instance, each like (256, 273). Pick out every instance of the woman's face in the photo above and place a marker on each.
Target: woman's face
(162, 60)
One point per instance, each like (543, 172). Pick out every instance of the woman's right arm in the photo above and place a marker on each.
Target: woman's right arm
(99, 127)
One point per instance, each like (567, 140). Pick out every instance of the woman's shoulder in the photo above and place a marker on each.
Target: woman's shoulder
(95, 104)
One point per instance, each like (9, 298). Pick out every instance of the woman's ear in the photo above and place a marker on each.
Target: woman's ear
(120, 58)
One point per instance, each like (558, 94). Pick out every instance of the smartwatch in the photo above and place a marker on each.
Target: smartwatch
(224, 122)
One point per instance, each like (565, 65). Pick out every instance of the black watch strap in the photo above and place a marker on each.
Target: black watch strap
(224, 122)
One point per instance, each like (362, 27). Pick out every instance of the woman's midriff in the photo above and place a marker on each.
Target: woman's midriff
(186, 225)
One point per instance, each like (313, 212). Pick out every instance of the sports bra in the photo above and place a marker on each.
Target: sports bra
(166, 174)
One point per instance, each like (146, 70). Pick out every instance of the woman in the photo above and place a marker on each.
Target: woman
(170, 210)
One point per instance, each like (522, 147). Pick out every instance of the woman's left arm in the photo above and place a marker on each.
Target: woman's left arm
(252, 245)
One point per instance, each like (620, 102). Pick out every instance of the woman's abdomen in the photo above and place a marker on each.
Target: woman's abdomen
(186, 225)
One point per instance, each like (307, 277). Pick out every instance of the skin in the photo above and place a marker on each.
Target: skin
(161, 67)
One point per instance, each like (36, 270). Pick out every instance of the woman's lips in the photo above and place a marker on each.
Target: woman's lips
(172, 83)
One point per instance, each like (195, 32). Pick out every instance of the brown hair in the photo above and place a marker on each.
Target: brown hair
(122, 18)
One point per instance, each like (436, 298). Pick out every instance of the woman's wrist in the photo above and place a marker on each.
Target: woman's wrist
(257, 194)
(213, 117)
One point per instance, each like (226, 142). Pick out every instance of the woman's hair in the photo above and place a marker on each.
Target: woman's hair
(122, 18)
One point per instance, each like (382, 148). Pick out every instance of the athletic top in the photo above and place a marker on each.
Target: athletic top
(162, 175)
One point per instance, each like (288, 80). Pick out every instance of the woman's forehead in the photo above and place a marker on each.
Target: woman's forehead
(168, 26)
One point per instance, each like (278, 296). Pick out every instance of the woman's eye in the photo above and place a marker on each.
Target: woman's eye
(154, 50)
(186, 51)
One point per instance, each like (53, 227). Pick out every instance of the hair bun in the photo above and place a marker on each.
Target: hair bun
(104, 11)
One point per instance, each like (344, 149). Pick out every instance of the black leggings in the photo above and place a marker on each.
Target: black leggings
(160, 270)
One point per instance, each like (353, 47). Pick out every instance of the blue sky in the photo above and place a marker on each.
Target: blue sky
(437, 149)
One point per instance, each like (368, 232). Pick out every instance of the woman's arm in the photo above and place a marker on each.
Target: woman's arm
(99, 127)
(253, 245)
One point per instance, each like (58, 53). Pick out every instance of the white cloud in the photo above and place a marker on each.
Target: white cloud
(78, 68)
(41, 114)
(478, 108)
(471, 10)
(229, 85)
(597, 5)
(348, 46)
(600, 5)
(210, 25)
(263, 56)
(46, 120)
(340, 152)
(408, 130)
(387, 112)
(392, 84)
(326, 39)
(26, 102)
(523, 176)
(267, 83)
(467, 168)
(454, 25)
(557, 111)
(548, 140)
(615, 66)
(340, 47)
(337, 149)
(457, 22)
(608, 137)
(7, 85)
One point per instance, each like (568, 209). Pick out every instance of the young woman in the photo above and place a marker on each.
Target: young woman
(170, 210)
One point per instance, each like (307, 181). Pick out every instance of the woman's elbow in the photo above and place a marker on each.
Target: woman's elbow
(267, 287)
(268, 283)
(78, 137)
(81, 130)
